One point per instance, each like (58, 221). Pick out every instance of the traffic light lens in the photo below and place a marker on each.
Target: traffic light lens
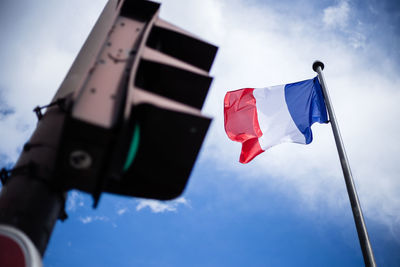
(133, 147)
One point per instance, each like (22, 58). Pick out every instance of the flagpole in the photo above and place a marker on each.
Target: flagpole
(366, 248)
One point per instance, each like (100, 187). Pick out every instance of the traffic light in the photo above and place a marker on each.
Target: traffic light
(134, 96)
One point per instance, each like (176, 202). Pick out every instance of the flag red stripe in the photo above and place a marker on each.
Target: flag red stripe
(241, 122)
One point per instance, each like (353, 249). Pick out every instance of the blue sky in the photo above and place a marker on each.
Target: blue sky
(289, 206)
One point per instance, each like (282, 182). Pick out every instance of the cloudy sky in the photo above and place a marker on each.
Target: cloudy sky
(289, 206)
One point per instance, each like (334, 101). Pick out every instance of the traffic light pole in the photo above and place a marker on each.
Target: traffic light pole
(136, 76)
(28, 201)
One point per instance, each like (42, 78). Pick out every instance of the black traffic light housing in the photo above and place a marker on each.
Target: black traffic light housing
(162, 150)
(149, 79)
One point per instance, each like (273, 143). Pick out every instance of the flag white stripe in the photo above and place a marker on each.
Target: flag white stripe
(274, 118)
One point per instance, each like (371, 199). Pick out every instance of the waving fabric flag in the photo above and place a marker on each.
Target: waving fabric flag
(263, 117)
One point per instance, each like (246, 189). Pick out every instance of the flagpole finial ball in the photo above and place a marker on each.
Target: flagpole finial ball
(317, 64)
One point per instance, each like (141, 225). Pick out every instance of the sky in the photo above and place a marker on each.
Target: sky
(289, 206)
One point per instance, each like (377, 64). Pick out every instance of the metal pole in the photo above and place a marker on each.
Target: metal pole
(366, 248)
(29, 201)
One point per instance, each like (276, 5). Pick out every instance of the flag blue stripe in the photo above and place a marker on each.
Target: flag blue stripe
(306, 105)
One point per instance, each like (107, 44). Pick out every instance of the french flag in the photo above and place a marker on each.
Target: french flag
(260, 118)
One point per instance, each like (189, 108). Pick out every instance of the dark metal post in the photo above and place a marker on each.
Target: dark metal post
(28, 200)
(366, 248)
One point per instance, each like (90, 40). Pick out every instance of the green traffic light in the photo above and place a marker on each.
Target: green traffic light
(133, 148)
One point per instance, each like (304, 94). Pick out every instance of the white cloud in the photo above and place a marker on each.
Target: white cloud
(259, 47)
(86, 219)
(35, 60)
(74, 201)
(337, 16)
(89, 219)
(357, 39)
(122, 211)
(162, 206)
(182, 201)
